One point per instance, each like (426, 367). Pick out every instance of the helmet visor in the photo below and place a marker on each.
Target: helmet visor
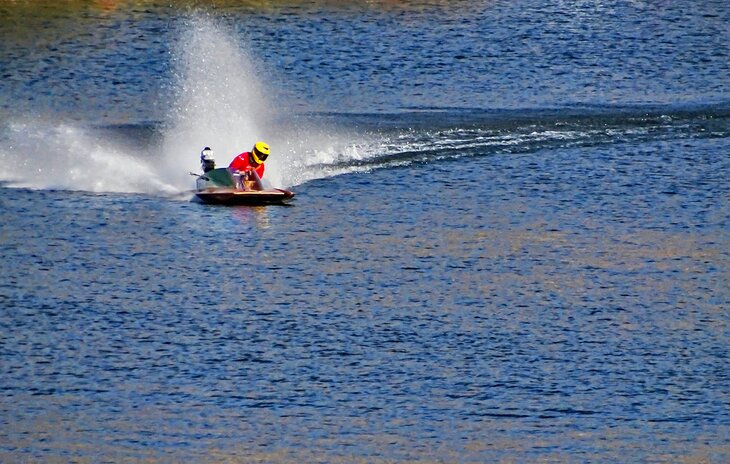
(259, 155)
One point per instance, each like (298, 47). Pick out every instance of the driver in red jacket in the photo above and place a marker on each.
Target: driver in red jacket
(253, 159)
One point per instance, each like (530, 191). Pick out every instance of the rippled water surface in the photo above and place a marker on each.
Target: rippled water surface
(509, 242)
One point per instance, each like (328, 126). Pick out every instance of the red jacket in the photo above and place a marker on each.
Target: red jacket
(243, 162)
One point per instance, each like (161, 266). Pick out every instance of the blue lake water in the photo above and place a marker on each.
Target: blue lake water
(510, 241)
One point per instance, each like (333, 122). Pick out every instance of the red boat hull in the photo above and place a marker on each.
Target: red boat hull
(226, 196)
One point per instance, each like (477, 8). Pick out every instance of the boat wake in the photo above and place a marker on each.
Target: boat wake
(221, 100)
(64, 156)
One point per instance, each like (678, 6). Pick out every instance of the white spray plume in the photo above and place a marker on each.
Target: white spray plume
(220, 101)
(223, 100)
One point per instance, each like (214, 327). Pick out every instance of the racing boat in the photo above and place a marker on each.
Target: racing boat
(224, 187)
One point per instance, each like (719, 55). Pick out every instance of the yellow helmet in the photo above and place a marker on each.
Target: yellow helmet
(260, 152)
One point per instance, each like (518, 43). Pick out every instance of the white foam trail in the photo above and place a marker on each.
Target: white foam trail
(39, 154)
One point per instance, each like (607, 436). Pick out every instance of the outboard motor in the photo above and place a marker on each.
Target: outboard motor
(206, 160)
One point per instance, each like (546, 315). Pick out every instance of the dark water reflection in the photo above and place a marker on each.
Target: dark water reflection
(555, 306)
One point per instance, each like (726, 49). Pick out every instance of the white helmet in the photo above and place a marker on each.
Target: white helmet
(206, 159)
